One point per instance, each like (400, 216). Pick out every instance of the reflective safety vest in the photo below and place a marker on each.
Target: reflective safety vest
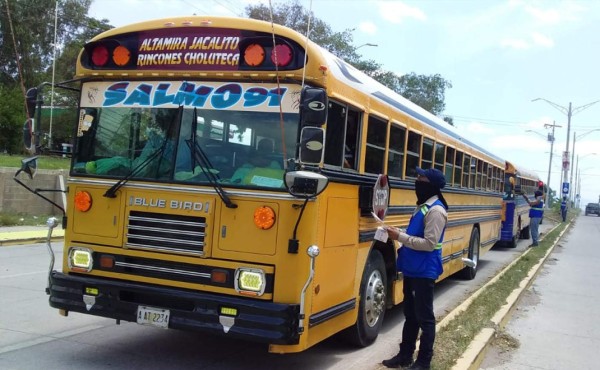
(421, 264)
(537, 210)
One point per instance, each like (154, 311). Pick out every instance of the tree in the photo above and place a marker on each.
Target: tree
(12, 113)
(30, 25)
(426, 91)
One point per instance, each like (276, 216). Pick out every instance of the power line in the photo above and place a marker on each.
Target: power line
(496, 122)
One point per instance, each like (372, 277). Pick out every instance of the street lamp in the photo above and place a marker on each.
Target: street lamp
(575, 137)
(569, 112)
(578, 178)
(579, 184)
(367, 44)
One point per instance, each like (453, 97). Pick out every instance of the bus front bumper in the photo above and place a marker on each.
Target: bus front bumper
(253, 320)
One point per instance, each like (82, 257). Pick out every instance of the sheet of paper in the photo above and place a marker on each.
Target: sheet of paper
(379, 221)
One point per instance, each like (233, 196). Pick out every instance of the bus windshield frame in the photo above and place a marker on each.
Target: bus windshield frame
(239, 129)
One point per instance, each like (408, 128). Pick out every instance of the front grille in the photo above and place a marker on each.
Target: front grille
(166, 233)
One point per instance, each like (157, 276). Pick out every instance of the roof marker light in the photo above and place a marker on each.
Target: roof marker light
(283, 53)
(121, 55)
(100, 55)
(254, 55)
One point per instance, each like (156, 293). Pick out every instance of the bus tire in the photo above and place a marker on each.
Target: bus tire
(513, 243)
(525, 234)
(468, 273)
(372, 303)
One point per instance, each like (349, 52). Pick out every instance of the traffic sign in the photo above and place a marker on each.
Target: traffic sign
(565, 188)
(381, 196)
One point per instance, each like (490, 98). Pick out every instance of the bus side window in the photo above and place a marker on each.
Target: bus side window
(472, 173)
(341, 143)
(440, 153)
(396, 152)
(334, 139)
(466, 170)
(413, 152)
(351, 144)
(375, 149)
(458, 168)
(427, 154)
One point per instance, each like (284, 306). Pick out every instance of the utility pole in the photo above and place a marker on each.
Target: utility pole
(569, 112)
(551, 140)
(53, 73)
(572, 162)
(567, 165)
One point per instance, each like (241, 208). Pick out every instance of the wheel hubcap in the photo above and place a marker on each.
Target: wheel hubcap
(374, 298)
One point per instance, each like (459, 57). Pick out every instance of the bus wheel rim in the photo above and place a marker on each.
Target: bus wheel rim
(374, 298)
(476, 251)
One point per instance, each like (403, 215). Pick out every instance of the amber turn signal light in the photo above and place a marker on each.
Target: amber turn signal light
(121, 55)
(254, 55)
(264, 217)
(83, 201)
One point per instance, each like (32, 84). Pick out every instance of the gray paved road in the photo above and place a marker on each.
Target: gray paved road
(556, 324)
(34, 336)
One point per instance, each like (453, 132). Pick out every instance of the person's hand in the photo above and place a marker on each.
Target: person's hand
(393, 233)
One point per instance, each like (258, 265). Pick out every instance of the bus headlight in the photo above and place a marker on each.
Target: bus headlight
(250, 281)
(80, 259)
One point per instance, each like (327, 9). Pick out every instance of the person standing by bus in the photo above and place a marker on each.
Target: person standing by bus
(536, 212)
(563, 209)
(420, 260)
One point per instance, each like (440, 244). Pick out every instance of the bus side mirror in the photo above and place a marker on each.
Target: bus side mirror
(313, 107)
(29, 166)
(312, 141)
(31, 98)
(305, 184)
(28, 135)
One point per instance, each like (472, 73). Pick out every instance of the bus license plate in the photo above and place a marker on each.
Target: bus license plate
(151, 316)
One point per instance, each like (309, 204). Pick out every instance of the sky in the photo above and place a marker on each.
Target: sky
(499, 55)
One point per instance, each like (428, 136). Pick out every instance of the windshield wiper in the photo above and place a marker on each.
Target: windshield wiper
(199, 156)
(112, 192)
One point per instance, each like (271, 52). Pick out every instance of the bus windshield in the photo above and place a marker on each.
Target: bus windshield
(185, 143)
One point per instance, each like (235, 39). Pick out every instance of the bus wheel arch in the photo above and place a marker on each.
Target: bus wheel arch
(372, 301)
(525, 233)
(388, 252)
(469, 273)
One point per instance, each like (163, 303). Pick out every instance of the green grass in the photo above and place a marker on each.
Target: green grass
(44, 162)
(16, 219)
(452, 340)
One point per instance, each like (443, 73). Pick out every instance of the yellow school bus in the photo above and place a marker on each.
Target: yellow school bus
(222, 180)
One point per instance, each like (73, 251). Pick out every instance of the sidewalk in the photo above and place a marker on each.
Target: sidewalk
(12, 235)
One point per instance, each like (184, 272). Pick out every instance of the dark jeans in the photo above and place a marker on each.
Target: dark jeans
(418, 311)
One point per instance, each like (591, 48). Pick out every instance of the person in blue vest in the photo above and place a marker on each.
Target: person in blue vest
(563, 209)
(420, 261)
(536, 212)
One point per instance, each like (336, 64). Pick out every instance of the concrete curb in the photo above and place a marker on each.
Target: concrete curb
(28, 237)
(474, 355)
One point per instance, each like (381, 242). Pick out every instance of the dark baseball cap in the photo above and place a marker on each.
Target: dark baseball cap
(538, 193)
(435, 176)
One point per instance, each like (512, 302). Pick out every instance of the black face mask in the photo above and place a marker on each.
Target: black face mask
(424, 191)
